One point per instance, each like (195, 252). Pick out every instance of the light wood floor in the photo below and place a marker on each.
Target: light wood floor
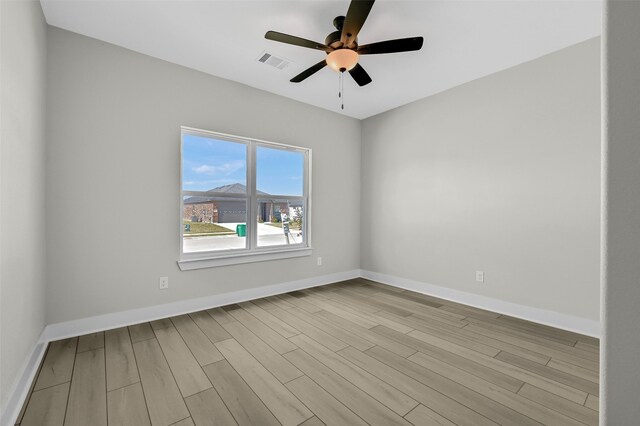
(352, 353)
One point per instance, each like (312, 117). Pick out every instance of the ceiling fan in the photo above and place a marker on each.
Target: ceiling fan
(342, 47)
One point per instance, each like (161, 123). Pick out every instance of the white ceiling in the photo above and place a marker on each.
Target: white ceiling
(464, 40)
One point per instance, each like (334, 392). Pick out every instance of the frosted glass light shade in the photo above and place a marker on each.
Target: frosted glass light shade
(342, 59)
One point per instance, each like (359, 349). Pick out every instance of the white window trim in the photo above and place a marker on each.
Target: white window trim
(252, 253)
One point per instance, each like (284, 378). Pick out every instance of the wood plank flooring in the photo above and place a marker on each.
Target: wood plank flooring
(351, 353)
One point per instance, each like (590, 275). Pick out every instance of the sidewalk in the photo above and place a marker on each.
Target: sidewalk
(263, 228)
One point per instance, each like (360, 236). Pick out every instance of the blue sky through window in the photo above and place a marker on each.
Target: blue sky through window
(279, 172)
(209, 163)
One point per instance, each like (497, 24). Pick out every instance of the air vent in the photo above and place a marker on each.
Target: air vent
(274, 61)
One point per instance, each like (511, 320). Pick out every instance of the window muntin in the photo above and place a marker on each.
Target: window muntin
(217, 215)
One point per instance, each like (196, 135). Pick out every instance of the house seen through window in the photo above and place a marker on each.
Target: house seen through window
(241, 196)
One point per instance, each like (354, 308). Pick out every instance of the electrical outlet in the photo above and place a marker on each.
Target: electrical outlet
(164, 283)
(319, 261)
(480, 276)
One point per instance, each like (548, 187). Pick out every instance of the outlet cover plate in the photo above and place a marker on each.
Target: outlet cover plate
(164, 283)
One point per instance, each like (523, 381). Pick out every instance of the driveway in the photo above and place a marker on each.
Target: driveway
(267, 236)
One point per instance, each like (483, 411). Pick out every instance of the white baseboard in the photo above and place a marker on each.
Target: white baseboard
(120, 319)
(20, 389)
(541, 316)
(81, 326)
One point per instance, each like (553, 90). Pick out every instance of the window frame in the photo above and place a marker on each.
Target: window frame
(252, 252)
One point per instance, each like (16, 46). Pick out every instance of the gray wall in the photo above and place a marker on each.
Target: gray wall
(114, 158)
(502, 175)
(23, 57)
(620, 384)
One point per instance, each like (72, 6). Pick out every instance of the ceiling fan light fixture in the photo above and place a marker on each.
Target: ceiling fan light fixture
(342, 46)
(341, 60)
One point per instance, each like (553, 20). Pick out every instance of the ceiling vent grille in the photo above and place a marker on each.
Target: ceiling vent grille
(274, 61)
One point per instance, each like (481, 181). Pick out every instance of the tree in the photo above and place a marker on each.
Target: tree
(297, 217)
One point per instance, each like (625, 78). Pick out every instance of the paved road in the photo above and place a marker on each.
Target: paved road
(267, 236)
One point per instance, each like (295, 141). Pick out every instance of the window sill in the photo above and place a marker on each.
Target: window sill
(235, 259)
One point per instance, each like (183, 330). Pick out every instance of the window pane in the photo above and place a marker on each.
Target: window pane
(280, 222)
(213, 224)
(213, 165)
(279, 172)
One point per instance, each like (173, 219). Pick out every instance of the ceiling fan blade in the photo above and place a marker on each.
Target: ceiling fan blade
(356, 15)
(296, 41)
(360, 75)
(392, 46)
(309, 71)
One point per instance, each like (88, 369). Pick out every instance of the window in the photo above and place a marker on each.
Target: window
(242, 200)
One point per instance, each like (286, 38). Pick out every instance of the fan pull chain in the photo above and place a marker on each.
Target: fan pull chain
(341, 89)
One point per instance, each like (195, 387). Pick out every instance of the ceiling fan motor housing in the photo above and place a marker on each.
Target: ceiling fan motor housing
(333, 39)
